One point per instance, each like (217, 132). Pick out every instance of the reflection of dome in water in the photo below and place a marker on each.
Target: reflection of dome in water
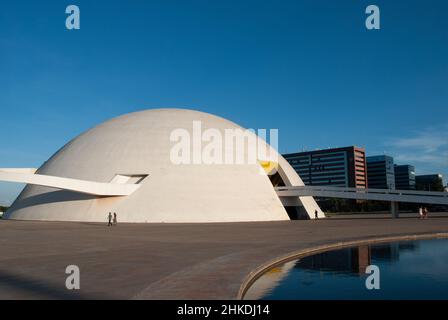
(138, 145)
(269, 281)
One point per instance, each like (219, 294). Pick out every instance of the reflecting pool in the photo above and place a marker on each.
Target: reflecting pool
(407, 270)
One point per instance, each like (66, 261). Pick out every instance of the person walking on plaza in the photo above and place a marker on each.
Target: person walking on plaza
(425, 213)
(316, 214)
(110, 219)
(115, 218)
(420, 212)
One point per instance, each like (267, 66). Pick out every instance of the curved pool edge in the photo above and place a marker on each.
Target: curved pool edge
(259, 271)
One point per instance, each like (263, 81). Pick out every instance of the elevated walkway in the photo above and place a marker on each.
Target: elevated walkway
(365, 194)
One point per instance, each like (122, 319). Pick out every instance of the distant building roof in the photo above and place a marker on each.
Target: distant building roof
(378, 158)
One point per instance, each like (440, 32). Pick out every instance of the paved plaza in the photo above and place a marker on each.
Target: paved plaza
(169, 261)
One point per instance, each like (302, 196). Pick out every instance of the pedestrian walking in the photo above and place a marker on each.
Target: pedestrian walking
(110, 219)
(425, 213)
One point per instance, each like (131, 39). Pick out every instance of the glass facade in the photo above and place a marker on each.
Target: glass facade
(429, 182)
(380, 172)
(404, 177)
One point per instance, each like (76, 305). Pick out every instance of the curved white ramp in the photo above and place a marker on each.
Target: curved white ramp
(100, 189)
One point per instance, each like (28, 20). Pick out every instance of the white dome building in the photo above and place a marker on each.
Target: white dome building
(126, 166)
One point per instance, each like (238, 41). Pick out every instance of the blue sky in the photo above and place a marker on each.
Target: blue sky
(309, 68)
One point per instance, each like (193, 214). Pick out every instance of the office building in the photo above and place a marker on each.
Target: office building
(404, 177)
(342, 167)
(429, 182)
(380, 172)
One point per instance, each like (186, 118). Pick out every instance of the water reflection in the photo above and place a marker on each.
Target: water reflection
(354, 261)
(409, 270)
(270, 280)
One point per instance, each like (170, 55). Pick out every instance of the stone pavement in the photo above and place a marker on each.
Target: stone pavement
(168, 261)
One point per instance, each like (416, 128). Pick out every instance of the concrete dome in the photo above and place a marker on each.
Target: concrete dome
(138, 144)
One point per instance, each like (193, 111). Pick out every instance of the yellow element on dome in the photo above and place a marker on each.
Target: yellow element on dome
(270, 167)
